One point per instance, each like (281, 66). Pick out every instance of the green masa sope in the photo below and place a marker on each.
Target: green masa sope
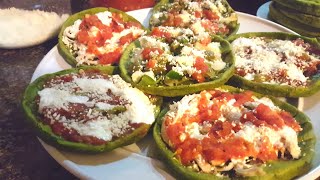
(278, 169)
(70, 54)
(276, 89)
(45, 132)
(170, 83)
(230, 19)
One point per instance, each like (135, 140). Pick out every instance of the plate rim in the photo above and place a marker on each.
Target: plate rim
(73, 167)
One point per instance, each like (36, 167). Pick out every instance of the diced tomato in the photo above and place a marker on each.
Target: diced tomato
(130, 24)
(215, 153)
(223, 30)
(267, 152)
(146, 52)
(312, 69)
(177, 21)
(210, 15)
(210, 26)
(221, 129)
(173, 132)
(205, 41)
(92, 48)
(117, 17)
(190, 148)
(240, 72)
(200, 65)
(159, 33)
(242, 98)
(83, 37)
(111, 57)
(263, 112)
(106, 33)
(170, 20)
(290, 121)
(198, 14)
(215, 93)
(198, 77)
(126, 39)
(89, 21)
(238, 148)
(173, 20)
(250, 117)
(225, 96)
(151, 63)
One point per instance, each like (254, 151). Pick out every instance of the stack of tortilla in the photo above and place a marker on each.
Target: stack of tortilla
(302, 16)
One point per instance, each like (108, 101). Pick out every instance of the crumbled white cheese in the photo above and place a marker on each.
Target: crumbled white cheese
(193, 130)
(188, 104)
(283, 138)
(136, 76)
(138, 106)
(105, 17)
(147, 41)
(269, 58)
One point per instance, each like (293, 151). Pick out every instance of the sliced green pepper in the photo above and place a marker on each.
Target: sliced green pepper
(279, 169)
(147, 81)
(45, 132)
(173, 75)
(64, 51)
(275, 89)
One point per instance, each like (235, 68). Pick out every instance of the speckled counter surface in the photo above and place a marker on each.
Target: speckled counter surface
(21, 154)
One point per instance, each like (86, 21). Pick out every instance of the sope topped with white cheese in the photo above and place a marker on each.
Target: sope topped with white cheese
(220, 131)
(93, 108)
(100, 38)
(212, 16)
(276, 61)
(173, 56)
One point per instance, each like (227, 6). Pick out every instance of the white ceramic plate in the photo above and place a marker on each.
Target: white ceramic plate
(138, 161)
(263, 10)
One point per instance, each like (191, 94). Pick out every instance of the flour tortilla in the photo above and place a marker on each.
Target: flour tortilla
(24, 28)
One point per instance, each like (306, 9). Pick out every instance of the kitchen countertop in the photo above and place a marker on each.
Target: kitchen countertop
(21, 154)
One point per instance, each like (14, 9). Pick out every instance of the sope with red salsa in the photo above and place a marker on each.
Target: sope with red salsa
(89, 108)
(97, 36)
(231, 134)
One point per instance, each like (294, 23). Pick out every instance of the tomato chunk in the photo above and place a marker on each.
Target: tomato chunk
(271, 117)
(146, 53)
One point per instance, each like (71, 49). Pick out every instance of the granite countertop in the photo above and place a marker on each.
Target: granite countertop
(21, 154)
